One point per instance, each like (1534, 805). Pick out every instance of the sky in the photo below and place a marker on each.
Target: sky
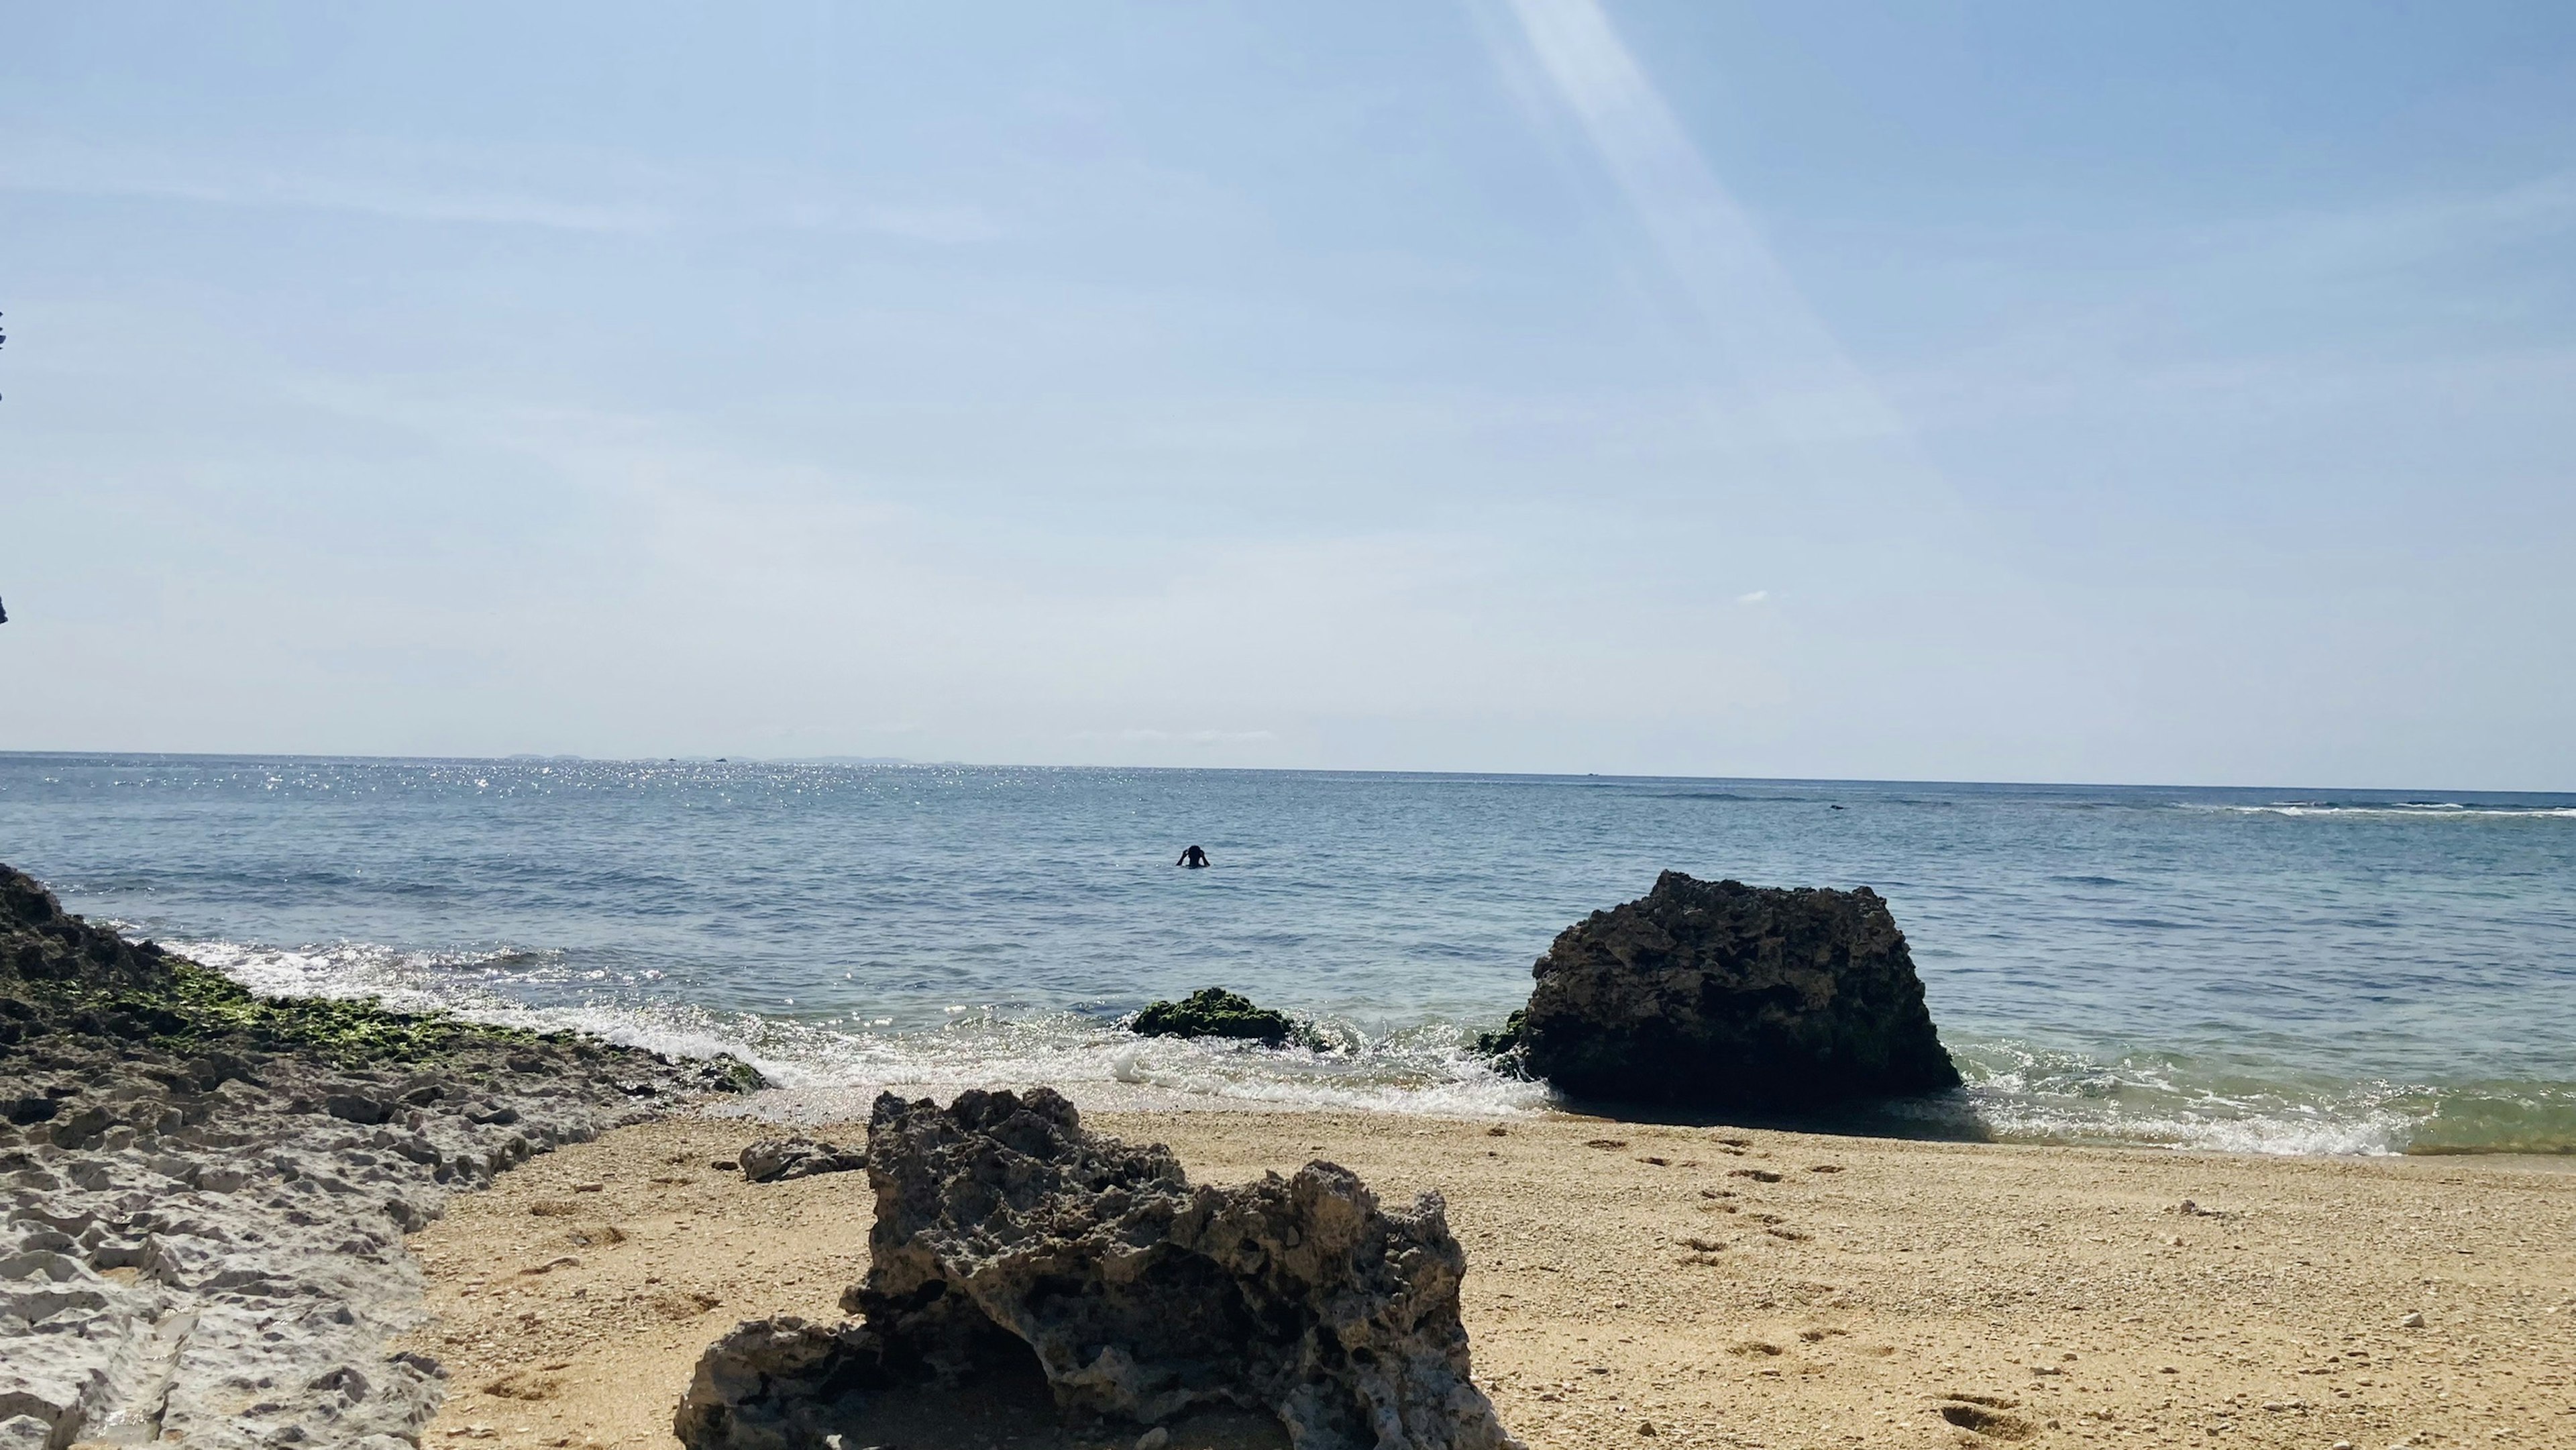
(2170, 393)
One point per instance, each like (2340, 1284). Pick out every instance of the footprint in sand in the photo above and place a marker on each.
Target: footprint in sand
(1985, 1415)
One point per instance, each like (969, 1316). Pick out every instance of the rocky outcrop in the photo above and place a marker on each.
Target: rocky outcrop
(1719, 994)
(1005, 1229)
(774, 1160)
(1214, 1012)
(203, 1194)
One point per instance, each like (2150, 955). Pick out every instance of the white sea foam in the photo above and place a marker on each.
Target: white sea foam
(2408, 810)
(1422, 1070)
(830, 1070)
(2295, 1134)
(2027, 1093)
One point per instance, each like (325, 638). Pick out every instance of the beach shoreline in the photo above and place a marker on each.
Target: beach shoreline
(1751, 1287)
(1680, 1282)
(204, 1192)
(2232, 968)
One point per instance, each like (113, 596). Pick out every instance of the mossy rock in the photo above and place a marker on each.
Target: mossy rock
(1507, 1041)
(1214, 1012)
(78, 978)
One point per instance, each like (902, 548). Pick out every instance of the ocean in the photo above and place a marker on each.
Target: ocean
(2273, 971)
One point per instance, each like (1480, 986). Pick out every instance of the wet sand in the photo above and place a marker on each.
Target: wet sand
(1633, 1284)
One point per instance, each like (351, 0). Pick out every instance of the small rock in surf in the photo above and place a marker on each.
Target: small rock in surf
(1214, 1012)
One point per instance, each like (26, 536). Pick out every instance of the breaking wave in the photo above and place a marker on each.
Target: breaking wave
(2405, 810)
(832, 1064)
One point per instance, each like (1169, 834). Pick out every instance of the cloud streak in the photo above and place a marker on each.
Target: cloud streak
(1834, 430)
(395, 188)
(1708, 242)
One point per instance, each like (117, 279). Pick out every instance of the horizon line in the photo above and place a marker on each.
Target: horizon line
(851, 762)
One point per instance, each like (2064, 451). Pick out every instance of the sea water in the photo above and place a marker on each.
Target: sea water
(2293, 971)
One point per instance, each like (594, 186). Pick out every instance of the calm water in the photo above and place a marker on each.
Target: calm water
(2273, 970)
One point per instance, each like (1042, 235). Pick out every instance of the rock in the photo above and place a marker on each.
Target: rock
(2412, 1321)
(1214, 1012)
(780, 1384)
(1718, 994)
(773, 1159)
(1154, 1439)
(357, 1108)
(1005, 1231)
(243, 1159)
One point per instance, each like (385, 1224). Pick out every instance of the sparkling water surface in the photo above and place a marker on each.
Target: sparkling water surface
(2265, 970)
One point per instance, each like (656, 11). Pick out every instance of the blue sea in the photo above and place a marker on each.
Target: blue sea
(2276, 971)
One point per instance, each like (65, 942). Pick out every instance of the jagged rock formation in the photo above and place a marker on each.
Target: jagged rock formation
(774, 1160)
(1214, 1012)
(203, 1193)
(1720, 994)
(1005, 1229)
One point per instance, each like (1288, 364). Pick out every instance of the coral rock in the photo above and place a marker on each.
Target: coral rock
(774, 1159)
(1005, 1229)
(204, 1193)
(1721, 994)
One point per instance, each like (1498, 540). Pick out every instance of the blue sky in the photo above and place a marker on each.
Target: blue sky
(2035, 392)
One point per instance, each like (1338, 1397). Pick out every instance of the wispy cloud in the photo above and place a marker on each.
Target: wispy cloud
(940, 224)
(2351, 320)
(551, 192)
(32, 165)
(2396, 235)
(1148, 736)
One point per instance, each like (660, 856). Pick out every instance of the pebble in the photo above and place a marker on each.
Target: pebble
(2412, 1321)
(1154, 1439)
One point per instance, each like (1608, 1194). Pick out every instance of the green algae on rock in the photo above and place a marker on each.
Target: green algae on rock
(1505, 1043)
(61, 974)
(1215, 1012)
(259, 1159)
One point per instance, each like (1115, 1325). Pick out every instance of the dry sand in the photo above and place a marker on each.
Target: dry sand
(1725, 1287)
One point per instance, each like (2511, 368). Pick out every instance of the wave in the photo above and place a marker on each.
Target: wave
(2029, 1093)
(1426, 1069)
(833, 1064)
(2408, 810)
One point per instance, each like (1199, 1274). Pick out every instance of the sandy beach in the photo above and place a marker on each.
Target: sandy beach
(1634, 1283)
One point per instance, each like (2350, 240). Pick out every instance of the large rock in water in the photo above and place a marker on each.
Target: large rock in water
(1005, 1229)
(1719, 994)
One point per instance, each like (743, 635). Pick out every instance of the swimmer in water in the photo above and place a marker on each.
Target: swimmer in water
(1194, 858)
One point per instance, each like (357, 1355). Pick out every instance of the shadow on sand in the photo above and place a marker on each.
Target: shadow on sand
(1007, 1404)
(1938, 1118)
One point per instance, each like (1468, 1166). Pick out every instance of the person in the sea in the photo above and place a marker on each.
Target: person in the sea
(1193, 858)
